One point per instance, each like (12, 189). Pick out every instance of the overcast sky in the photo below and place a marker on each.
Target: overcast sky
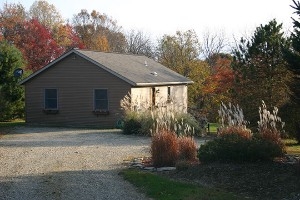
(158, 17)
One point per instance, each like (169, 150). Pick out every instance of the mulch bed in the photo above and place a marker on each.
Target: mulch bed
(261, 180)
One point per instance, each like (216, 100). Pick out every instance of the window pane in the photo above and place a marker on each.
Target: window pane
(50, 93)
(51, 103)
(101, 105)
(101, 100)
(101, 94)
(50, 98)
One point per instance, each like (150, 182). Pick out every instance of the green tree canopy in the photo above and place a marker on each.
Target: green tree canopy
(177, 51)
(181, 53)
(11, 94)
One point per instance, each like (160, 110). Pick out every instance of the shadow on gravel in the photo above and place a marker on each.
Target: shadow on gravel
(66, 137)
(42, 137)
(68, 185)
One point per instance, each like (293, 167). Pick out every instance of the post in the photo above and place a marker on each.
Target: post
(208, 130)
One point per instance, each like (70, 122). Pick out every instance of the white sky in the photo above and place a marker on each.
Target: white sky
(159, 17)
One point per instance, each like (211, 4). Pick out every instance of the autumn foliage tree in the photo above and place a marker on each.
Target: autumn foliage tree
(37, 45)
(218, 86)
(32, 38)
(12, 18)
(66, 38)
(99, 32)
(46, 14)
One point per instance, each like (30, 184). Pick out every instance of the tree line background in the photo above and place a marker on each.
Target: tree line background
(263, 66)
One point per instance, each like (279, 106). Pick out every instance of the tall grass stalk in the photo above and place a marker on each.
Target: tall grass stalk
(232, 121)
(231, 115)
(269, 120)
(270, 125)
(167, 117)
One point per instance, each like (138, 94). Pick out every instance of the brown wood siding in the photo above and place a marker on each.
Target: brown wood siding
(75, 80)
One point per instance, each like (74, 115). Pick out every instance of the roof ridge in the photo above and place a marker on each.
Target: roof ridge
(109, 52)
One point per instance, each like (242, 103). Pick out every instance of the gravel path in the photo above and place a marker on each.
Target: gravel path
(57, 163)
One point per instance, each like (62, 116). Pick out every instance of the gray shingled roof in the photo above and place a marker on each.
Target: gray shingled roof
(135, 69)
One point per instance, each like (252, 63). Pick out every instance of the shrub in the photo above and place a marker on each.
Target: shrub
(273, 137)
(182, 165)
(187, 149)
(146, 122)
(132, 126)
(262, 149)
(137, 123)
(164, 149)
(234, 147)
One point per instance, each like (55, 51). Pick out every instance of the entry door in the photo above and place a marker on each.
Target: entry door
(153, 96)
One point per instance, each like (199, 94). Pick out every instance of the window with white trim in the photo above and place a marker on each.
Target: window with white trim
(51, 99)
(100, 99)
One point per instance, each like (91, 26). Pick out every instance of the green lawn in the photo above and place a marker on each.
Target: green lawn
(12, 124)
(213, 128)
(292, 147)
(161, 188)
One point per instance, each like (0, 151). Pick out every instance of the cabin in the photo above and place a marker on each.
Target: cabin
(86, 88)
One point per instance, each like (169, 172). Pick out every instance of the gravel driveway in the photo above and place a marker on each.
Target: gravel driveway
(57, 163)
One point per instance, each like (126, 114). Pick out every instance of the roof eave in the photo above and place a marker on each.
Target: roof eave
(164, 83)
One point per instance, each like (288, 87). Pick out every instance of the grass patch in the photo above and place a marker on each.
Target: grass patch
(158, 187)
(258, 180)
(292, 147)
(213, 127)
(11, 124)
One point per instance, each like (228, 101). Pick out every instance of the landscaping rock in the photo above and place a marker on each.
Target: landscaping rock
(160, 169)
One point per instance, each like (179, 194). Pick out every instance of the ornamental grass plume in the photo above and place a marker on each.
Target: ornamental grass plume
(270, 125)
(232, 121)
(269, 120)
(167, 117)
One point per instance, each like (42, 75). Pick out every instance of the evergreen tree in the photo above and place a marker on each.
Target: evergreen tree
(293, 57)
(261, 70)
(11, 94)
